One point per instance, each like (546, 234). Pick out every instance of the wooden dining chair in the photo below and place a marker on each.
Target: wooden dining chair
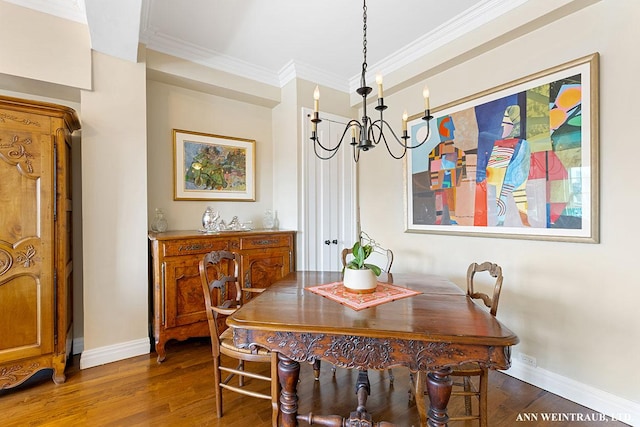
(378, 256)
(466, 387)
(222, 297)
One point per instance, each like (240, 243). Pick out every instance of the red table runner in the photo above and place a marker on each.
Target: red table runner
(385, 292)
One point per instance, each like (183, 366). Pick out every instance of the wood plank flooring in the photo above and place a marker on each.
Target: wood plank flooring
(178, 392)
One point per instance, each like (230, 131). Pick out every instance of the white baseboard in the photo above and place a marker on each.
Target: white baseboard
(113, 353)
(606, 403)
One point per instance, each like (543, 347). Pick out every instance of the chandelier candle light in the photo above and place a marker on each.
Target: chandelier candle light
(366, 134)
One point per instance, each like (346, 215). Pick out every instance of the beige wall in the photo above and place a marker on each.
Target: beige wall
(43, 47)
(114, 183)
(173, 107)
(572, 305)
(286, 165)
(113, 167)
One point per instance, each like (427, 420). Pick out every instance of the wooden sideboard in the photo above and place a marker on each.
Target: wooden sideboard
(36, 328)
(178, 305)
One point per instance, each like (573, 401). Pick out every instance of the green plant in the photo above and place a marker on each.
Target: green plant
(360, 254)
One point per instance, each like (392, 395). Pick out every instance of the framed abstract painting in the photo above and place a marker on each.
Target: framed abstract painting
(517, 161)
(213, 167)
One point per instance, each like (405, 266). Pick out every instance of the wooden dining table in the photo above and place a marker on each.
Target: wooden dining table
(433, 331)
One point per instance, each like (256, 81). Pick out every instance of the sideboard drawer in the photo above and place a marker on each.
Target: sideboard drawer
(266, 241)
(194, 246)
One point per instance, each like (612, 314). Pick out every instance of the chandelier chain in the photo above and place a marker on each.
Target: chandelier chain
(364, 38)
(367, 133)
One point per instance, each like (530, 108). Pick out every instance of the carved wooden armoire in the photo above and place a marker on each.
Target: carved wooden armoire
(35, 239)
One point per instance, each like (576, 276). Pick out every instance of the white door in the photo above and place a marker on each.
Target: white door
(329, 196)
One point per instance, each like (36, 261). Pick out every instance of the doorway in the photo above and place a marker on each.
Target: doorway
(329, 199)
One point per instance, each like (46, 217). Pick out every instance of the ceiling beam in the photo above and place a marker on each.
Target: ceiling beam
(114, 27)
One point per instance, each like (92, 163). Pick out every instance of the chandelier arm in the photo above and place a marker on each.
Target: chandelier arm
(405, 144)
(320, 156)
(372, 135)
(386, 144)
(381, 137)
(333, 150)
(317, 140)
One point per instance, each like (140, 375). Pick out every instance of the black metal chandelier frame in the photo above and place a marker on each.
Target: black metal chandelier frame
(370, 132)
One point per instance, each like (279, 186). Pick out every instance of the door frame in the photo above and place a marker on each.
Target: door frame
(347, 232)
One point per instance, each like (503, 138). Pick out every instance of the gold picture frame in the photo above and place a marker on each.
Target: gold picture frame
(516, 161)
(213, 167)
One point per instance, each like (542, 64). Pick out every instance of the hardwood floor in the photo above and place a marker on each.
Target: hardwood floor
(178, 392)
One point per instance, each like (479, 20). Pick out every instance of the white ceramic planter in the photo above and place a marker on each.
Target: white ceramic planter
(360, 281)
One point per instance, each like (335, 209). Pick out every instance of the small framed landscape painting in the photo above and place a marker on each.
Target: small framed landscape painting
(213, 167)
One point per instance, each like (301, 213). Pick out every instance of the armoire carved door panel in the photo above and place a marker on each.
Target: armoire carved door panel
(25, 239)
(35, 303)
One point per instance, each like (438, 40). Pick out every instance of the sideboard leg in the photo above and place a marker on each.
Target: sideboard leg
(288, 374)
(439, 388)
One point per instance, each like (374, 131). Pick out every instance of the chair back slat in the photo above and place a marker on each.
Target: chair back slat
(494, 271)
(222, 292)
(221, 289)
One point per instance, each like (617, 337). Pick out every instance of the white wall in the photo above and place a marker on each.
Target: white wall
(573, 305)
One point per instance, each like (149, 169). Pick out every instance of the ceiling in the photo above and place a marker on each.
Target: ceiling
(269, 41)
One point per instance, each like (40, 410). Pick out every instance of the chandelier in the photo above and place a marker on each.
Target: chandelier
(367, 133)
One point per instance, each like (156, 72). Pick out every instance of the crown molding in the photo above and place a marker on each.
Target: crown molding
(73, 10)
(449, 31)
(455, 28)
(161, 42)
(475, 17)
(299, 70)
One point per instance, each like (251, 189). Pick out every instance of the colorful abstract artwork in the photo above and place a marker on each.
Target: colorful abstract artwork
(212, 167)
(517, 161)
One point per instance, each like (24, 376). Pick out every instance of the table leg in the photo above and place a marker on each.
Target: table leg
(288, 374)
(439, 388)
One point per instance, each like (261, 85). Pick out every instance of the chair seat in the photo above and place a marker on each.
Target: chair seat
(465, 372)
(467, 369)
(226, 341)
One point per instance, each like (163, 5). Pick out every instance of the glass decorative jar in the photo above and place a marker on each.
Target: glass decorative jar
(159, 223)
(267, 220)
